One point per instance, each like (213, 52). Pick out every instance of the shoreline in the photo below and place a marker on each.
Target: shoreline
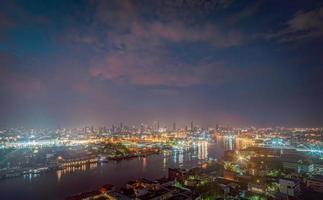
(18, 172)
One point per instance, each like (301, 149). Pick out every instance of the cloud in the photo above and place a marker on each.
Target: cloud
(304, 21)
(159, 68)
(163, 92)
(82, 87)
(138, 51)
(181, 33)
(245, 13)
(125, 19)
(303, 25)
(13, 13)
(142, 69)
(20, 84)
(77, 38)
(189, 11)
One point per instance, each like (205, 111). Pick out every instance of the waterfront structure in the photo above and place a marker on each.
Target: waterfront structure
(240, 167)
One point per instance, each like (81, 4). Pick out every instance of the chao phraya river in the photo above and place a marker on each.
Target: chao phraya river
(60, 184)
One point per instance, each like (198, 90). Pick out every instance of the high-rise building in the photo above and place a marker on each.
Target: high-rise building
(174, 126)
(142, 128)
(113, 128)
(192, 126)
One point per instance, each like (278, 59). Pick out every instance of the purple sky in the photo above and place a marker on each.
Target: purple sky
(241, 63)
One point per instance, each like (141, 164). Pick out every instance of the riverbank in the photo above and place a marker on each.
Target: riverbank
(16, 172)
(59, 184)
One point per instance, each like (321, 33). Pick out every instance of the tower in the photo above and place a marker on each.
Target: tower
(192, 126)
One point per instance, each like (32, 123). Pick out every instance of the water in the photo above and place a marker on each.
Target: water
(60, 184)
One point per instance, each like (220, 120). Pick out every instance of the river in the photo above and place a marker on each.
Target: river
(60, 184)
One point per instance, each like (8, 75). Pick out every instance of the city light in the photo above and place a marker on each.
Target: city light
(161, 100)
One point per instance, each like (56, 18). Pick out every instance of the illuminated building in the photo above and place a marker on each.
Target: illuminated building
(192, 126)
(256, 187)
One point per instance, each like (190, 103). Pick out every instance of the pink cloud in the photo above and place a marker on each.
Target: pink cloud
(145, 58)
(171, 32)
(82, 87)
(179, 32)
(165, 79)
(125, 16)
(114, 68)
(136, 69)
(28, 85)
(20, 84)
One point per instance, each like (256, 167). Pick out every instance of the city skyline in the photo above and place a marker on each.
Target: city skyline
(77, 63)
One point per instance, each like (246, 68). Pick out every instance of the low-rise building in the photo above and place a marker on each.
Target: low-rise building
(257, 188)
(315, 183)
(289, 187)
(177, 173)
(297, 163)
(298, 167)
(86, 195)
(230, 175)
(114, 195)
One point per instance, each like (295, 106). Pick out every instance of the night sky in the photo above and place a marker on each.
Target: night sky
(233, 62)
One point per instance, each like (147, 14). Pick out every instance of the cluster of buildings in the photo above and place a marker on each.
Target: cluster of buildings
(273, 163)
(143, 189)
(274, 173)
(29, 151)
(213, 180)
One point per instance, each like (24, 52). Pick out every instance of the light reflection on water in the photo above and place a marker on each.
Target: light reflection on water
(144, 163)
(61, 183)
(60, 173)
(197, 152)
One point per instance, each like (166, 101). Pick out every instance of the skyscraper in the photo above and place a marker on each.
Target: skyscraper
(192, 126)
